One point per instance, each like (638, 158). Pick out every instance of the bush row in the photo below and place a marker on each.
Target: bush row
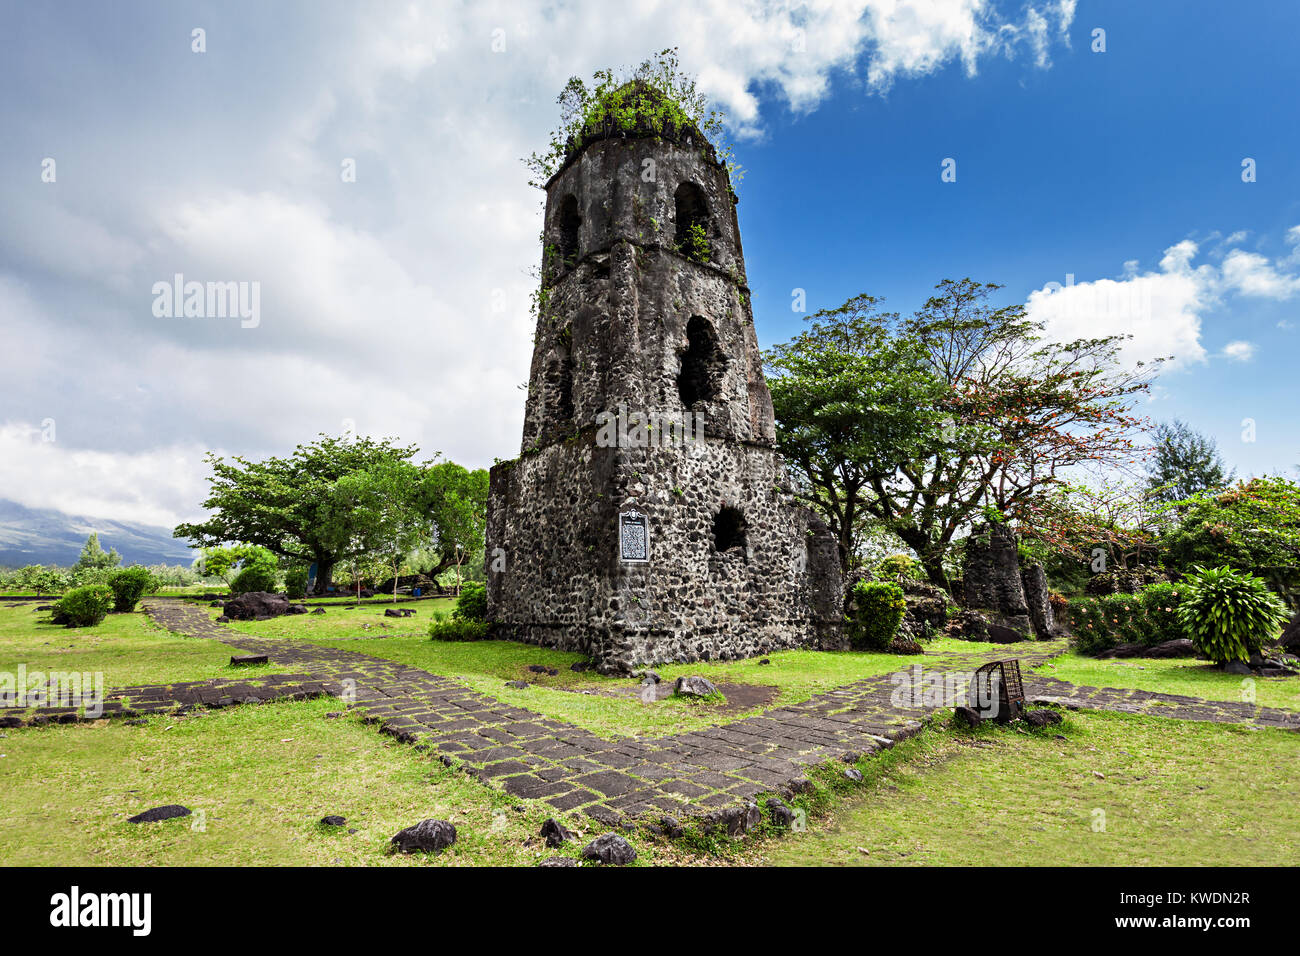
(1227, 614)
(1149, 617)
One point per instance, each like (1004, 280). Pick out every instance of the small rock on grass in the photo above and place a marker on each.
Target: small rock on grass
(559, 861)
(427, 836)
(610, 849)
(555, 832)
(668, 827)
(517, 684)
(169, 812)
(333, 821)
(853, 774)
(694, 686)
(1041, 718)
(782, 815)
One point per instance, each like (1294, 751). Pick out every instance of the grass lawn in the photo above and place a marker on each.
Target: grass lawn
(262, 777)
(1191, 677)
(126, 648)
(486, 666)
(1172, 793)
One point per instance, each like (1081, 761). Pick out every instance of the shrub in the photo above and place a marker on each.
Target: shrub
(1092, 634)
(457, 629)
(1228, 613)
(129, 585)
(472, 603)
(875, 611)
(1125, 617)
(84, 606)
(896, 566)
(295, 583)
(255, 578)
(86, 577)
(1160, 605)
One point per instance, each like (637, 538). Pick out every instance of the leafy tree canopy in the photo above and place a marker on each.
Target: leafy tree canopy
(287, 505)
(922, 423)
(1252, 526)
(1184, 463)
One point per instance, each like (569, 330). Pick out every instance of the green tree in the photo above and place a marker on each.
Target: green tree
(1184, 463)
(1253, 526)
(286, 505)
(95, 558)
(853, 402)
(40, 580)
(962, 406)
(456, 500)
(390, 517)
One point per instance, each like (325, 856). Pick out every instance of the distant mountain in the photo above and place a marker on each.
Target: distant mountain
(46, 536)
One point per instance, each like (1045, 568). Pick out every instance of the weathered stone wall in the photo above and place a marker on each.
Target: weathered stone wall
(1037, 600)
(991, 578)
(563, 585)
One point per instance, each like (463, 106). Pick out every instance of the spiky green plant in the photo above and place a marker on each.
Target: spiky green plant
(1229, 613)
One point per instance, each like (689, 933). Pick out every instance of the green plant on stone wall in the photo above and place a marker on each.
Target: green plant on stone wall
(695, 245)
(655, 99)
(1228, 614)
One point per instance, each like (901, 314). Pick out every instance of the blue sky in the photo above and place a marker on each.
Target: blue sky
(398, 304)
(1076, 169)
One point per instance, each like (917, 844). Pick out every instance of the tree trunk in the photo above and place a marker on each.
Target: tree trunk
(324, 574)
(931, 557)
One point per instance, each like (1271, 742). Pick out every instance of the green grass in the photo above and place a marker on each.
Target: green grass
(263, 776)
(1180, 793)
(486, 666)
(1189, 677)
(127, 649)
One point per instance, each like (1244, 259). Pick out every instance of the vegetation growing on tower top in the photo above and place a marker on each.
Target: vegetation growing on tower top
(655, 100)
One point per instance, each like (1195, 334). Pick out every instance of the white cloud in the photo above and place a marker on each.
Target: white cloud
(157, 487)
(1252, 274)
(1162, 310)
(400, 301)
(1239, 351)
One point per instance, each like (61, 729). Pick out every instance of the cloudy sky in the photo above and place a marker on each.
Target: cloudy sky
(398, 303)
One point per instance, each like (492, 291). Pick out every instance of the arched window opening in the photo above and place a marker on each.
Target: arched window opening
(703, 364)
(692, 237)
(729, 529)
(570, 222)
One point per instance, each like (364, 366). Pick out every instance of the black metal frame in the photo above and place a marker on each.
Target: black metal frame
(1010, 697)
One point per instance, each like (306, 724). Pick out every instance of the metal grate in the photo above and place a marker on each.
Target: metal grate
(997, 690)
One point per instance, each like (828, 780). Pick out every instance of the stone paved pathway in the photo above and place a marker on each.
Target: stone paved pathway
(533, 756)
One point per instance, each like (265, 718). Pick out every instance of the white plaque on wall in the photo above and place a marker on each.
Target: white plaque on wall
(633, 537)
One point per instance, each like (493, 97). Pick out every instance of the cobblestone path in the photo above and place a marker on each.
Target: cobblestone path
(537, 757)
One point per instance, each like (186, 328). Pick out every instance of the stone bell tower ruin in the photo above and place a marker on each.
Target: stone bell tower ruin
(649, 516)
